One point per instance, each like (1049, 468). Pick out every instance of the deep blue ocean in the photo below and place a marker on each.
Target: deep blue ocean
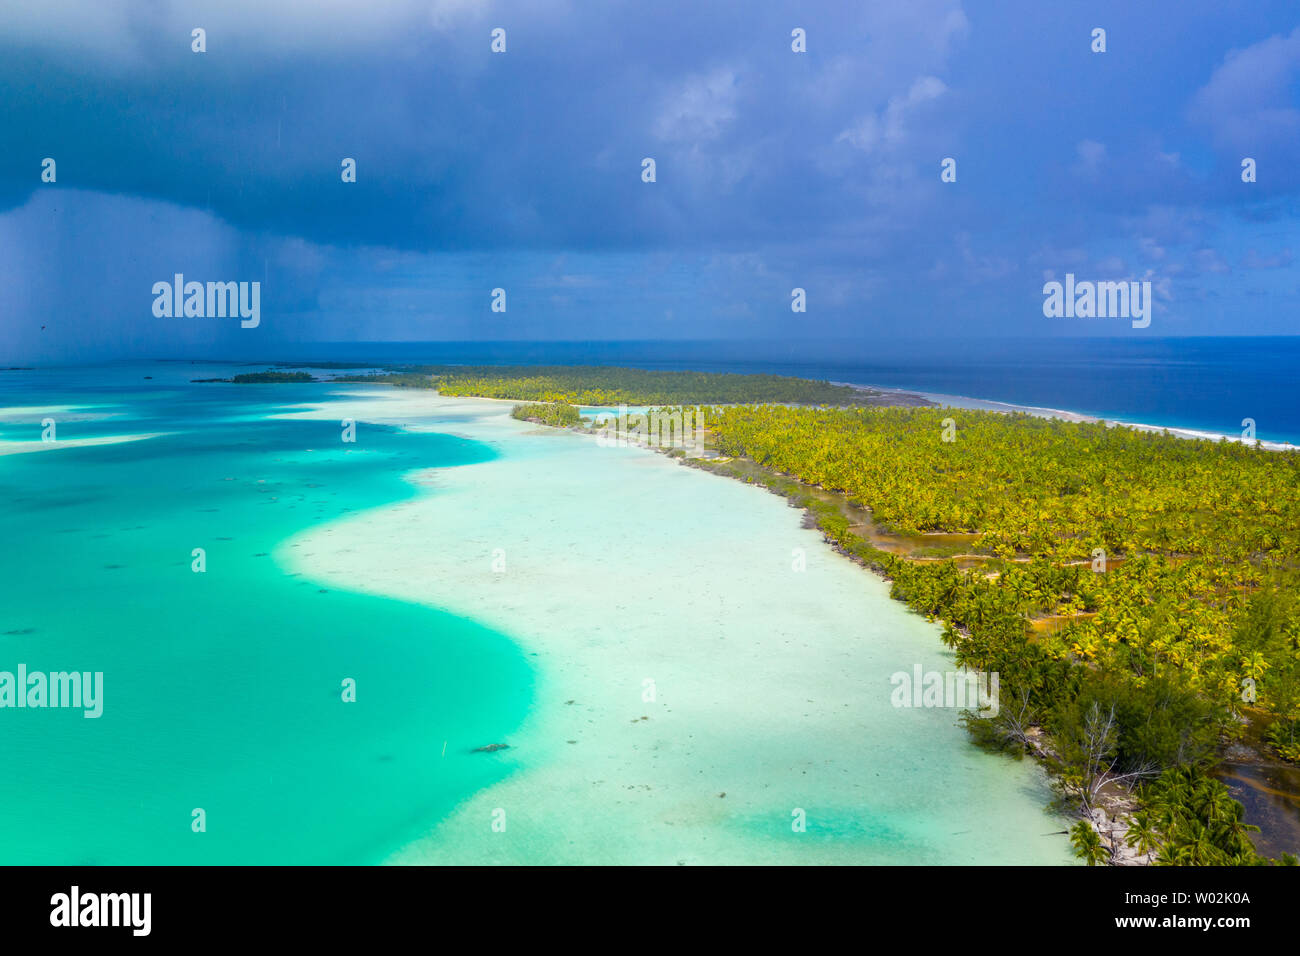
(1208, 384)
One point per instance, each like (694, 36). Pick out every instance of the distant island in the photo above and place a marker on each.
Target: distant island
(612, 386)
(262, 378)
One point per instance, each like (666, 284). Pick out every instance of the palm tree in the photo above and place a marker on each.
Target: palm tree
(1087, 844)
(1254, 664)
(1167, 855)
(1142, 834)
(1196, 846)
(1232, 828)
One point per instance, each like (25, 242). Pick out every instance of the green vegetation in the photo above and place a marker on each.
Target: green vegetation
(272, 377)
(1194, 821)
(1187, 819)
(1284, 735)
(602, 385)
(1088, 845)
(1200, 540)
(1133, 590)
(548, 413)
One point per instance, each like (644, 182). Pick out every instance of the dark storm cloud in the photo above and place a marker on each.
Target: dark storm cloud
(775, 169)
(459, 147)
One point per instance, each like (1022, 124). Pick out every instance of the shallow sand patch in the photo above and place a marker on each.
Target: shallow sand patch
(33, 414)
(771, 691)
(22, 447)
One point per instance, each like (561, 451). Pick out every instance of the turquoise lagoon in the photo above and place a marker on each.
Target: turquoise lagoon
(222, 689)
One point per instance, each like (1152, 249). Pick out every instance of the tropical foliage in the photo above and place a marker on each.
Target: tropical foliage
(1088, 845)
(1146, 556)
(608, 385)
(548, 413)
(1194, 821)
(258, 378)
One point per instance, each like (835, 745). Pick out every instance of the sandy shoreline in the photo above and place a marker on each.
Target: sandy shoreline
(768, 690)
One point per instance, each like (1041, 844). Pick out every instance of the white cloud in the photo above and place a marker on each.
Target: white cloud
(889, 129)
(1150, 248)
(135, 34)
(699, 109)
(1091, 154)
(1209, 260)
(1279, 260)
(1247, 101)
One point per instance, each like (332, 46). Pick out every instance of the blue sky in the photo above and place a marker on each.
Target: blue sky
(522, 170)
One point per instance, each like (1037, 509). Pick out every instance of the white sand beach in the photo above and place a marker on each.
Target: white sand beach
(694, 692)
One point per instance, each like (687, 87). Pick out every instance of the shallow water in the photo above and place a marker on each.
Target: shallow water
(772, 689)
(222, 689)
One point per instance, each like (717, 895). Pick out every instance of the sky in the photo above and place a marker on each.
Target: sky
(522, 170)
